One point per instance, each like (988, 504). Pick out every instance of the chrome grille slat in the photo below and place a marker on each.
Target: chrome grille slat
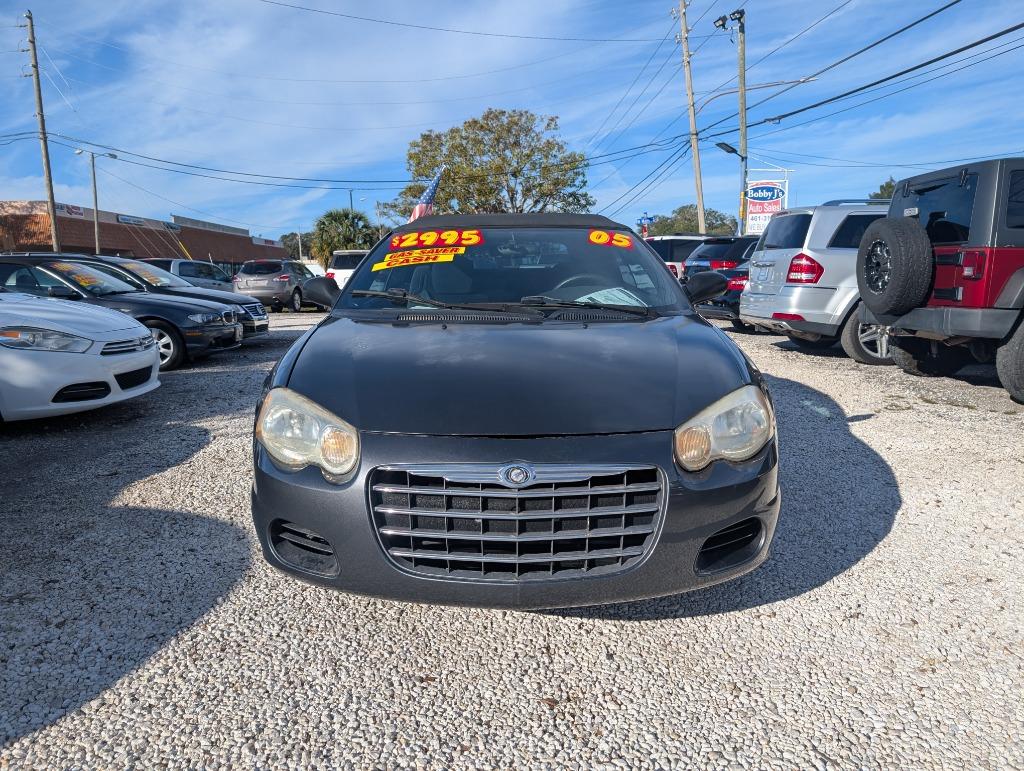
(496, 493)
(143, 343)
(255, 310)
(462, 522)
(559, 535)
(597, 511)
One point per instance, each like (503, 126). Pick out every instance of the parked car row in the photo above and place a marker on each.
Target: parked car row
(130, 319)
(932, 280)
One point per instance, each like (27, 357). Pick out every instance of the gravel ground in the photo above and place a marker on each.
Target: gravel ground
(140, 627)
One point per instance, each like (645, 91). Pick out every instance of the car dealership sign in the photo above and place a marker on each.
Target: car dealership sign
(764, 198)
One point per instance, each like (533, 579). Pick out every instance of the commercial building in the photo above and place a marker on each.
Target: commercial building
(25, 226)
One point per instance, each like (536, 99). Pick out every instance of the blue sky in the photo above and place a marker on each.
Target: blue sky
(248, 86)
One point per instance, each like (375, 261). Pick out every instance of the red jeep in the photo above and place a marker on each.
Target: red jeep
(945, 271)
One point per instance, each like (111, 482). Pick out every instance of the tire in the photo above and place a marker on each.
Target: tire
(916, 357)
(865, 343)
(895, 266)
(1010, 365)
(821, 344)
(169, 344)
(295, 302)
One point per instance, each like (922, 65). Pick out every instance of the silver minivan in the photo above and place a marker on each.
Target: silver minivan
(803, 279)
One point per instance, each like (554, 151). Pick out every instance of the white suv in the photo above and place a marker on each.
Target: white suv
(803, 279)
(675, 249)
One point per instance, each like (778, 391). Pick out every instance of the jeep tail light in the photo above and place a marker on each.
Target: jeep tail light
(675, 271)
(804, 270)
(737, 282)
(973, 264)
(329, 274)
(723, 264)
(283, 277)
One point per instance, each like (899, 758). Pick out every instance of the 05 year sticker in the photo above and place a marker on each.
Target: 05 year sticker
(437, 238)
(609, 238)
(418, 257)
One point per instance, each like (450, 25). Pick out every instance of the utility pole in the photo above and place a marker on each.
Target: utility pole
(740, 17)
(95, 203)
(299, 234)
(684, 33)
(351, 206)
(51, 207)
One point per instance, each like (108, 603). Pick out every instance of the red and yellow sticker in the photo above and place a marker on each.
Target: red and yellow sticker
(437, 238)
(609, 238)
(81, 277)
(419, 257)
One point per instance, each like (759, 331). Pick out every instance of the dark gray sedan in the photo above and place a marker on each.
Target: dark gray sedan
(517, 411)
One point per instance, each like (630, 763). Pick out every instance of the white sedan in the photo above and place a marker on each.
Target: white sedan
(59, 356)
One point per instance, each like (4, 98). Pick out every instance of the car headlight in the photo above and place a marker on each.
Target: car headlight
(205, 318)
(298, 432)
(32, 339)
(735, 427)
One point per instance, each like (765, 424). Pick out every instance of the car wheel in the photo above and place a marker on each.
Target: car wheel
(168, 344)
(807, 344)
(740, 326)
(894, 266)
(865, 343)
(296, 301)
(1010, 365)
(921, 358)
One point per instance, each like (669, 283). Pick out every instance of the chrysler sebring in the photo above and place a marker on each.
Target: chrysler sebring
(515, 411)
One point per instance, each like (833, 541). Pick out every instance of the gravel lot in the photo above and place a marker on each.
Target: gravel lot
(140, 627)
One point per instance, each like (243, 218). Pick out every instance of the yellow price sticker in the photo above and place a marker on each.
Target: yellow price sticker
(419, 257)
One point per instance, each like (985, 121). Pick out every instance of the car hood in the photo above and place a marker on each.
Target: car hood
(133, 300)
(64, 316)
(211, 295)
(551, 379)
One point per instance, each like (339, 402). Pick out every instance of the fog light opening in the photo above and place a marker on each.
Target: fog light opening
(731, 546)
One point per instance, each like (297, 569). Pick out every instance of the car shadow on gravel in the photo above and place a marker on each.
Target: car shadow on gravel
(89, 588)
(839, 501)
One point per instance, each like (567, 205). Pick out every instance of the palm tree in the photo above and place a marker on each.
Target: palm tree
(341, 229)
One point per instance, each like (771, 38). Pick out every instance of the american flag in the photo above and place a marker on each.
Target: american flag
(425, 205)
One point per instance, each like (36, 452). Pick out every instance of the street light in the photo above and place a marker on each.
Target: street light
(95, 194)
(725, 147)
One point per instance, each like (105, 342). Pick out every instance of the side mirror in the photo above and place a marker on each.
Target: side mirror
(62, 292)
(321, 291)
(704, 286)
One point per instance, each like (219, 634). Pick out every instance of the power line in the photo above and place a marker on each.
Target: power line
(279, 79)
(622, 98)
(654, 183)
(671, 55)
(674, 157)
(455, 31)
(843, 60)
(883, 164)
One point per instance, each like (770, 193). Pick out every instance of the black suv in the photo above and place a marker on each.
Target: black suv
(945, 270)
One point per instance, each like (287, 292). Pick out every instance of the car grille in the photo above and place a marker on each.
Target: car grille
(134, 378)
(256, 311)
(129, 346)
(462, 522)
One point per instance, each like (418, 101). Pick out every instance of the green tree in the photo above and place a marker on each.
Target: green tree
(885, 190)
(341, 229)
(290, 241)
(503, 161)
(684, 220)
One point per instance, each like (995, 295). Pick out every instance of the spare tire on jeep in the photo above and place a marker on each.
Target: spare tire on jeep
(895, 266)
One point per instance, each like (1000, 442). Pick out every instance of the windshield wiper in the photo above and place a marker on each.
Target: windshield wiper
(397, 295)
(554, 302)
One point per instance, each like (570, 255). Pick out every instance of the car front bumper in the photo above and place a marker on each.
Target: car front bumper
(255, 327)
(694, 506)
(31, 380)
(203, 340)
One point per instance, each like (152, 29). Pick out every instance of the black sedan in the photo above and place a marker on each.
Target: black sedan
(515, 411)
(150, 278)
(182, 327)
(729, 256)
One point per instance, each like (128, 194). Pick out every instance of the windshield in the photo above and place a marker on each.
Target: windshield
(261, 268)
(89, 279)
(505, 266)
(151, 274)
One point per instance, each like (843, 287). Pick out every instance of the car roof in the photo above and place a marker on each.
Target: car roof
(453, 221)
(980, 167)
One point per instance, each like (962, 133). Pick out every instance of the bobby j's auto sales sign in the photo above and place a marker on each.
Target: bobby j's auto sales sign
(764, 198)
